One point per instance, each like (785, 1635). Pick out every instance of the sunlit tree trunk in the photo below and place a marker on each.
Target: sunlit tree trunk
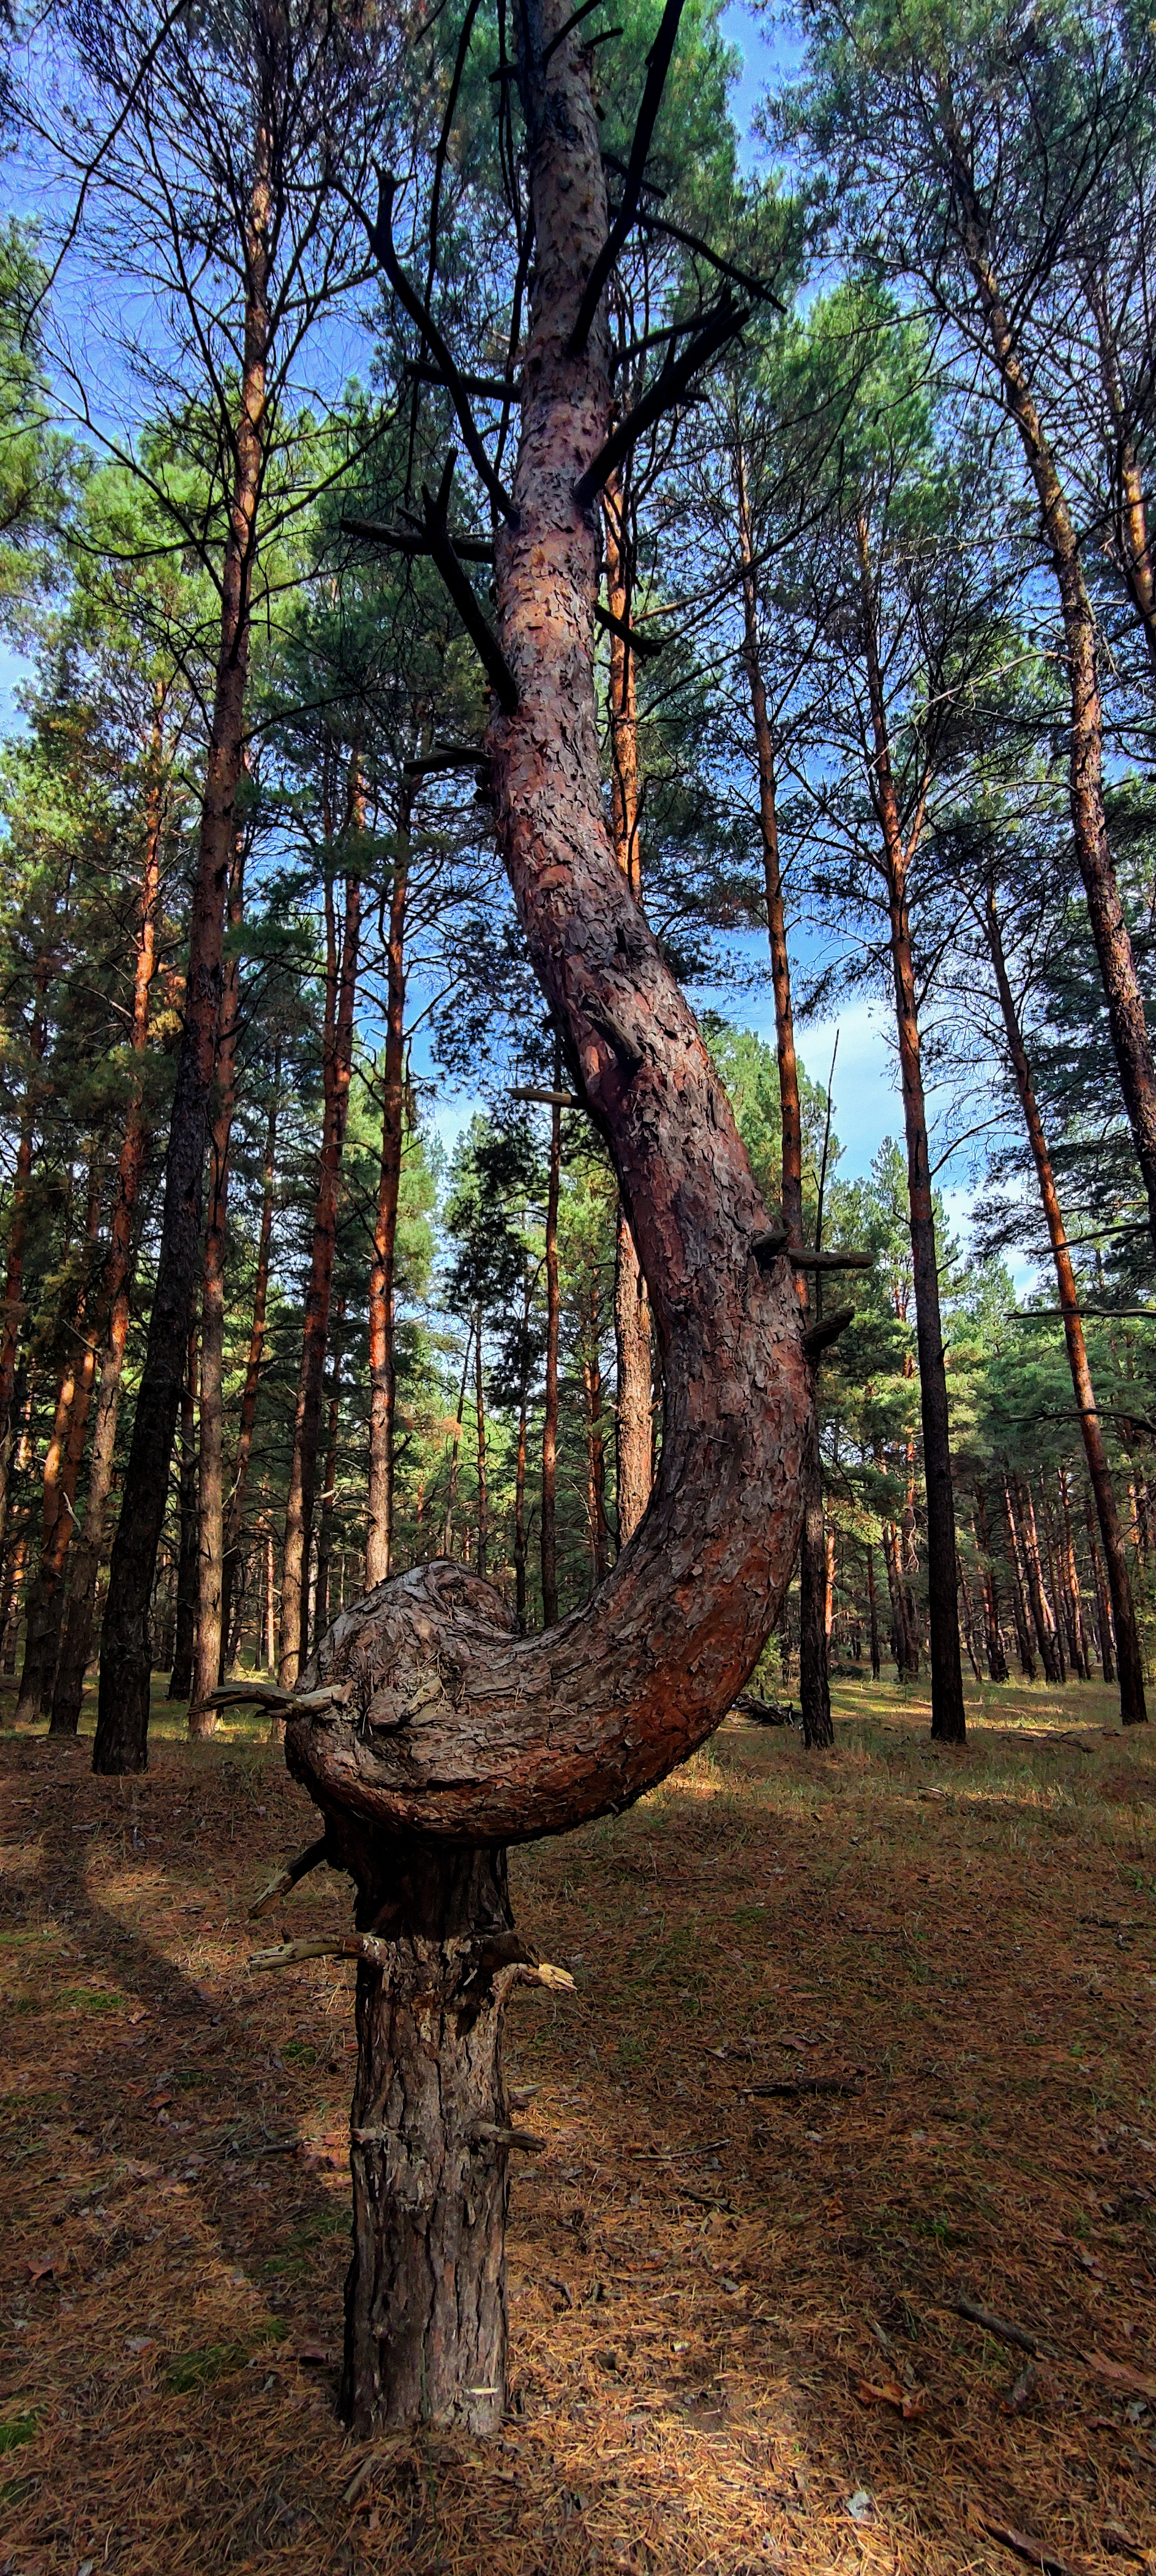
(341, 986)
(549, 1539)
(125, 1660)
(235, 1518)
(61, 1467)
(212, 1627)
(328, 1492)
(18, 1229)
(632, 1326)
(948, 1722)
(382, 1370)
(1133, 1706)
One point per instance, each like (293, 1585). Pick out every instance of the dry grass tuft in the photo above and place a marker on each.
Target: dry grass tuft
(736, 2343)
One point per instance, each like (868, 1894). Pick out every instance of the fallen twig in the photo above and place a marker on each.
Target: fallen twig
(1035, 2551)
(809, 2084)
(1007, 2332)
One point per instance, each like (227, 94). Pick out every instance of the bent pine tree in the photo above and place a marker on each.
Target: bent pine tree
(427, 1731)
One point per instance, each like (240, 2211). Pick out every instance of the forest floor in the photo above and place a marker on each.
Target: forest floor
(735, 2343)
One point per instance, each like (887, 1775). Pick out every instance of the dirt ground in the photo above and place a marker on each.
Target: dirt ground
(736, 2343)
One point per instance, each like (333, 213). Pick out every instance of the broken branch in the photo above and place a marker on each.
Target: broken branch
(1000, 2326)
(646, 646)
(669, 387)
(464, 597)
(819, 1337)
(723, 267)
(788, 2084)
(449, 755)
(413, 541)
(575, 20)
(347, 1945)
(487, 2134)
(657, 66)
(380, 235)
(833, 1260)
(310, 1858)
(547, 1099)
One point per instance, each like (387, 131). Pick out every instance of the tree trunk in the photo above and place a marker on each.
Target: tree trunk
(549, 1535)
(382, 1370)
(969, 1626)
(520, 1548)
(595, 1448)
(1133, 1706)
(18, 1231)
(125, 1661)
(1121, 983)
(528, 1735)
(874, 1614)
(1042, 1614)
(188, 1589)
(1103, 1611)
(814, 1675)
(115, 1289)
(270, 1603)
(212, 1627)
(948, 1722)
(1020, 1589)
(480, 1420)
(235, 1521)
(635, 1394)
(996, 1657)
(61, 1471)
(341, 986)
(328, 1494)
(1057, 1599)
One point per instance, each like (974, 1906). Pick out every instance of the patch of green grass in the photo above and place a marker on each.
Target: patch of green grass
(195, 2370)
(19, 2429)
(300, 2051)
(92, 1999)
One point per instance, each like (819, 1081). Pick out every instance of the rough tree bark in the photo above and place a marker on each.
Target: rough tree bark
(1133, 1706)
(444, 1728)
(632, 1329)
(61, 1470)
(328, 1490)
(814, 1660)
(185, 1638)
(212, 1630)
(1130, 1038)
(116, 1285)
(125, 1661)
(382, 1372)
(948, 1722)
(1042, 1614)
(340, 996)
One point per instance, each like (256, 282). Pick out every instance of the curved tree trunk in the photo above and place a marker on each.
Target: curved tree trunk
(443, 1726)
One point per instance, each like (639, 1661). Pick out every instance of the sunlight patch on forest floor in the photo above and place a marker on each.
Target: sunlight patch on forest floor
(722, 2298)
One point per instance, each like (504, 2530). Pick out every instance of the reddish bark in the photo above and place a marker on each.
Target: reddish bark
(235, 1520)
(61, 1470)
(1133, 1706)
(449, 1728)
(18, 1230)
(1015, 1560)
(125, 1660)
(382, 1372)
(873, 1614)
(185, 1636)
(115, 1292)
(948, 1722)
(212, 1630)
(1042, 1613)
(635, 1392)
(1130, 1038)
(480, 1421)
(328, 1494)
(340, 996)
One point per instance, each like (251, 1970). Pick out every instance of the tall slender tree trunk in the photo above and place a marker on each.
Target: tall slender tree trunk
(125, 1661)
(595, 1447)
(61, 1465)
(116, 1285)
(1103, 1608)
(814, 1661)
(873, 1613)
(235, 1518)
(185, 1640)
(480, 1421)
(996, 1657)
(382, 1369)
(1126, 496)
(1043, 1616)
(455, 1450)
(1071, 1584)
(634, 1447)
(341, 987)
(549, 1535)
(1133, 1706)
(1019, 1584)
(948, 1722)
(1130, 1038)
(18, 1230)
(328, 1493)
(212, 1626)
